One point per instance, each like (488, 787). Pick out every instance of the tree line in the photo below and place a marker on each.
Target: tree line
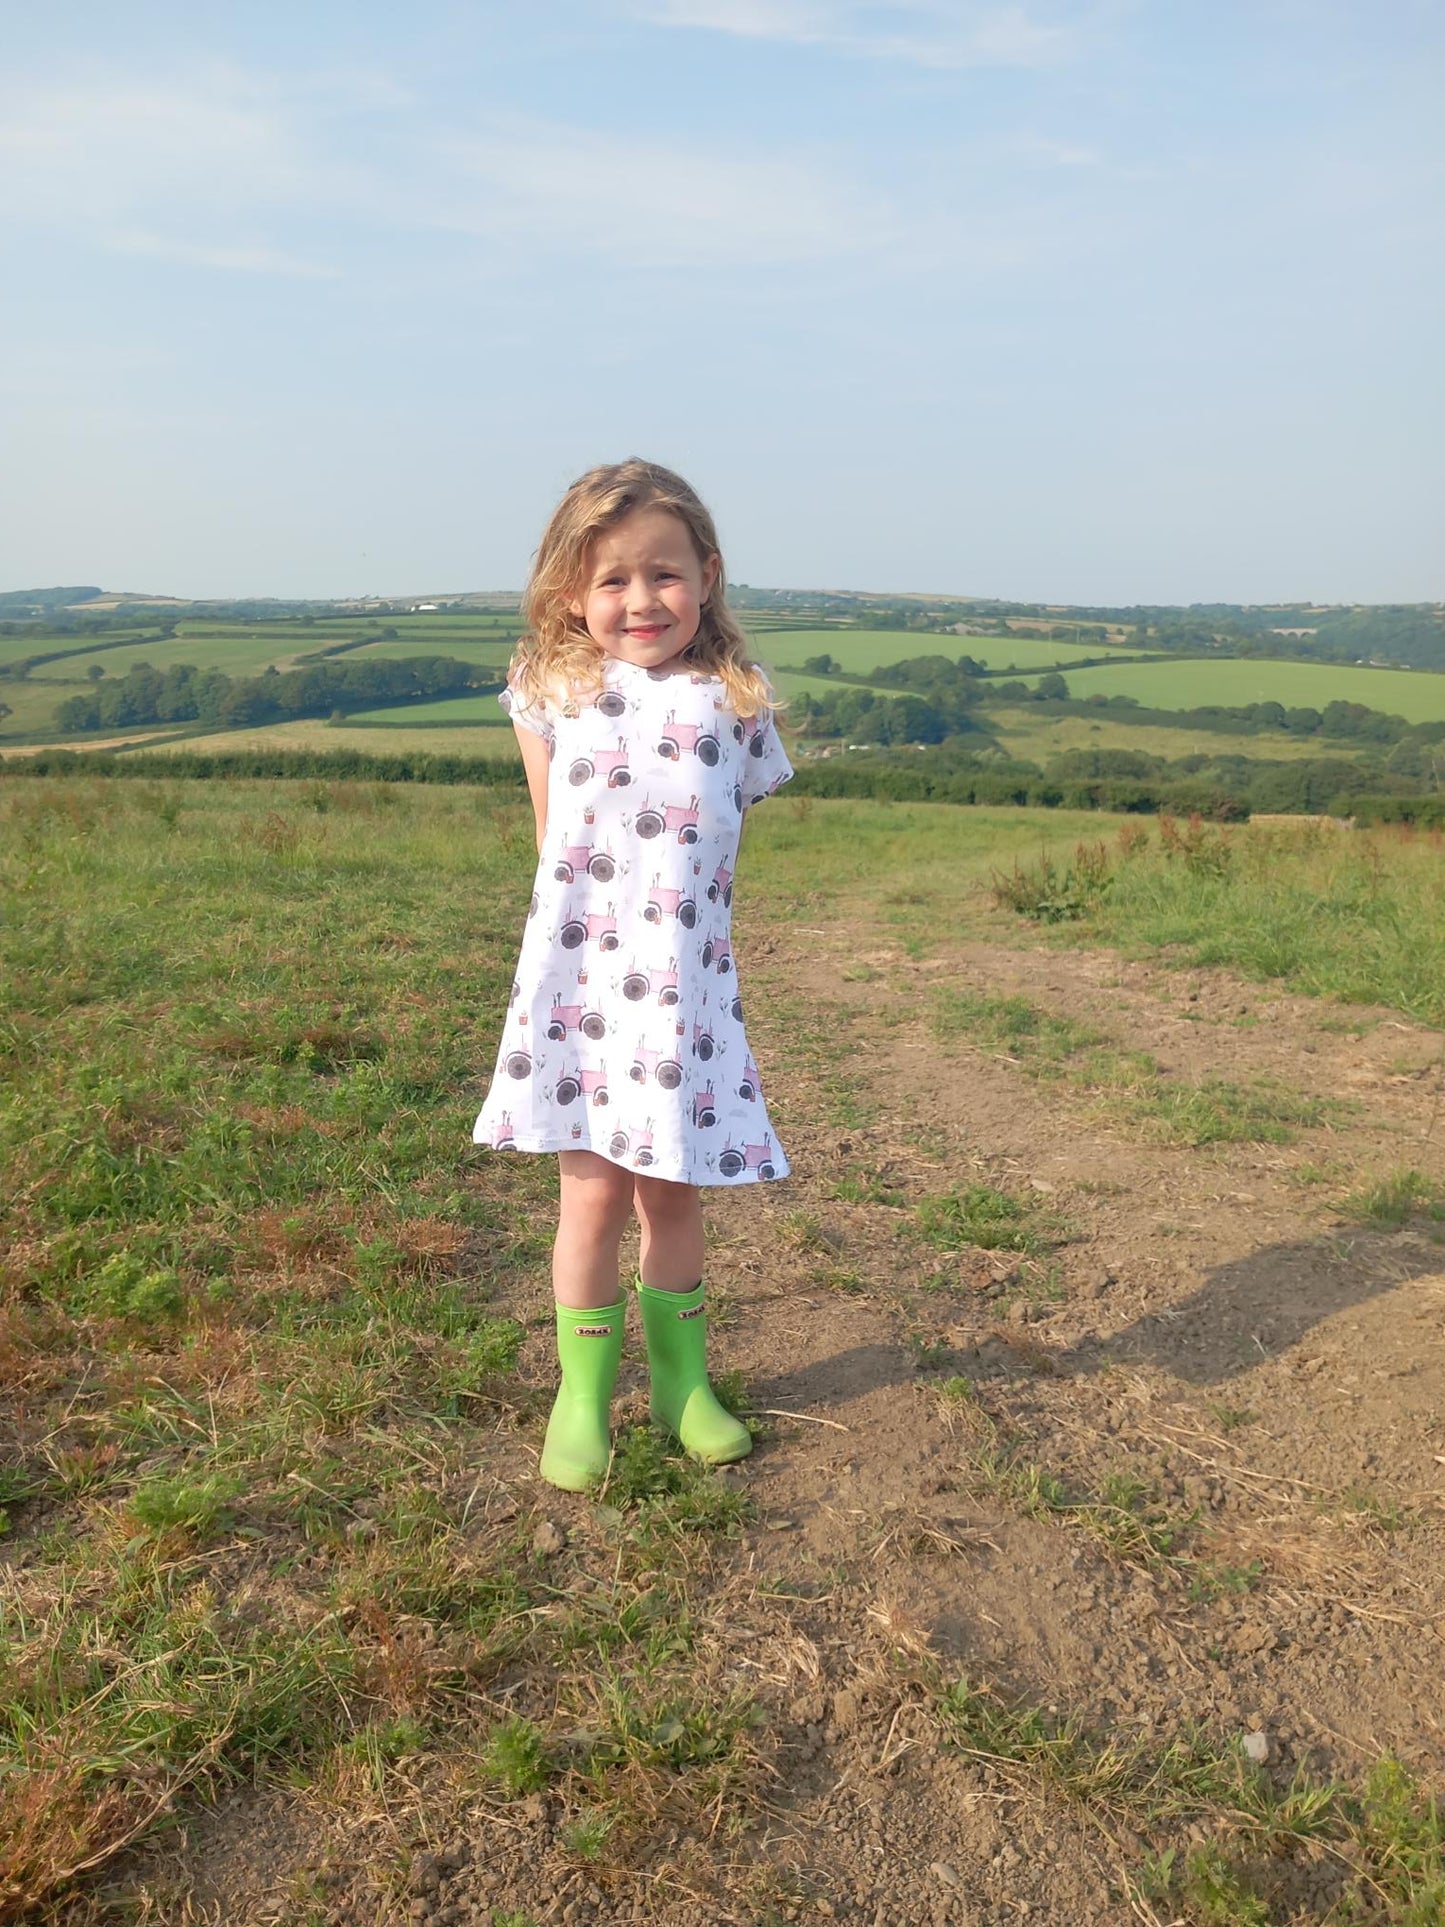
(1225, 789)
(184, 693)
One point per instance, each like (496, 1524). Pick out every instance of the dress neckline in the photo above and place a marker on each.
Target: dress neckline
(673, 675)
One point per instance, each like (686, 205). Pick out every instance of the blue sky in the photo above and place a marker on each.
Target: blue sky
(1086, 300)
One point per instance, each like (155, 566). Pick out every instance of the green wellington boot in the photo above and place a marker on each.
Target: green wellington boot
(683, 1402)
(578, 1447)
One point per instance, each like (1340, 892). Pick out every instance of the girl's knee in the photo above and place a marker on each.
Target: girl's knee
(597, 1190)
(660, 1200)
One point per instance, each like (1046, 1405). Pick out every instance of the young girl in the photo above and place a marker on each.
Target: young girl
(645, 732)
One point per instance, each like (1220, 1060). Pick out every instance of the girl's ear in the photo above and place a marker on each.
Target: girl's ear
(710, 574)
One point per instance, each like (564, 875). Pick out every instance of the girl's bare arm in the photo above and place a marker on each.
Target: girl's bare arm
(535, 761)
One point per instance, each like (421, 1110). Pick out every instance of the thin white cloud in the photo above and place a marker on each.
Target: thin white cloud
(181, 168)
(241, 173)
(229, 258)
(1044, 151)
(220, 168)
(921, 33)
(655, 205)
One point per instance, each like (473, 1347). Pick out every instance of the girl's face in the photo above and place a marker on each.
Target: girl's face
(642, 593)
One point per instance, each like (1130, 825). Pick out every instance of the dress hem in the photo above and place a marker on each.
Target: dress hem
(543, 1149)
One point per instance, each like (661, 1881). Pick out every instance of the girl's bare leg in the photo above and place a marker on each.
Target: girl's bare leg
(672, 1236)
(596, 1204)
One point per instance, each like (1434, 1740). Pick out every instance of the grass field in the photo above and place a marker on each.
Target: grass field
(15, 648)
(859, 650)
(466, 739)
(274, 1335)
(1415, 694)
(488, 652)
(1036, 738)
(482, 710)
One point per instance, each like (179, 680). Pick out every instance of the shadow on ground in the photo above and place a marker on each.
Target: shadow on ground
(1255, 1308)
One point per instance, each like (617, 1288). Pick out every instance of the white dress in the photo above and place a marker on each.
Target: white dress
(624, 1034)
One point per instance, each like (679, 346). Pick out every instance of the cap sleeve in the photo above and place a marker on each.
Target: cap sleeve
(535, 715)
(766, 766)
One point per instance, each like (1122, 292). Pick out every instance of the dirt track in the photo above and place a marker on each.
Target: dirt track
(1269, 1372)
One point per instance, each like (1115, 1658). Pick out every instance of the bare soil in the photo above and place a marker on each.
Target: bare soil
(1209, 1321)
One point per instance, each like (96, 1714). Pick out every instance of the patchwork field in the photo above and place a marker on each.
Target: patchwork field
(1416, 695)
(1088, 1567)
(486, 640)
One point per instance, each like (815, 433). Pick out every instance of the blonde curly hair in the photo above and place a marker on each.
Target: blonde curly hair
(557, 658)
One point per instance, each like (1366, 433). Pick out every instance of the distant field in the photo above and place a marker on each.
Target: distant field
(1036, 738)
(478, 710)
(245, 649)
(1414, 694)
(317, 734)
(488, 652)
(238, 649)
(859, 650)
(14, 648)
(33, 704)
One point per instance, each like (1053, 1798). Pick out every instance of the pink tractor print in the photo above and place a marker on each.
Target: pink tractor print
(655, 1063)
(611, 763)
(502, 1138)
(638, 984)
(609, 703)
(753, 730)
(719, 955)
(678, 737)
(591, 928)
(704, 1109)
(669, 903)
(702, 1043)
(573, 858)
(721, 885)
(752, 1157)
(592, 1084)
(737, 1008)
(639, 1143)
(748, 1089)
(566, 1018)
(652, 822)
(518, 1064)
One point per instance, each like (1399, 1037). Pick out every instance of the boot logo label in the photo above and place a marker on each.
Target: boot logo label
(693, 1311)
(592, 1331)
